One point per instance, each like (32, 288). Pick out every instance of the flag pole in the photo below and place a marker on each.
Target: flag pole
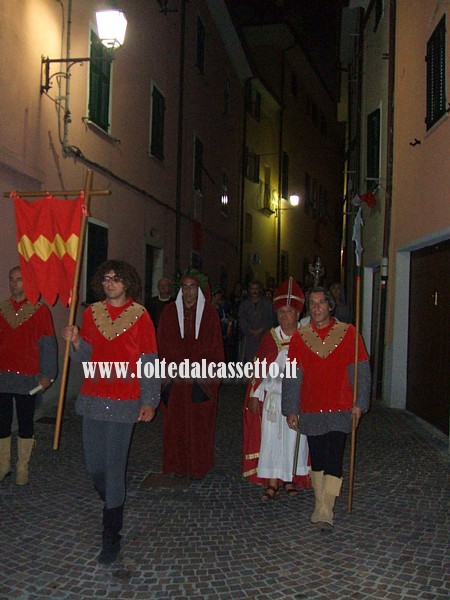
(73, 304)
(358, 251)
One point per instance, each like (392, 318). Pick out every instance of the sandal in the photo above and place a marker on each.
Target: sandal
(270, 493)
(290, 489)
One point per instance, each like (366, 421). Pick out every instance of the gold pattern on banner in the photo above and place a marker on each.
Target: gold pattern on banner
(111, 329)
(44, 248)
(17, 318)
(324, 348)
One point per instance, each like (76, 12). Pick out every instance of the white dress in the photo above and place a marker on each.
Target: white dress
(276, 456)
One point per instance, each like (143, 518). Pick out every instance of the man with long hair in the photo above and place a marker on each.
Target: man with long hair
(115, 330)
(319, 402)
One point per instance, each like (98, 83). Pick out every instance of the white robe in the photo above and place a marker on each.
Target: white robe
(276, 455)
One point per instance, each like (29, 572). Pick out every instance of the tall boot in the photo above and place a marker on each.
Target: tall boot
(24, 449)
(5, 457)
(112, 525)
(317, 483)
(331, 490)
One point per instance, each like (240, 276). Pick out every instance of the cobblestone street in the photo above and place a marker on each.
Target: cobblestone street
(215, 538)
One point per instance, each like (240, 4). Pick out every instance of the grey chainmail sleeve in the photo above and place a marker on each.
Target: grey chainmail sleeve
(364, 384)
(290, 395)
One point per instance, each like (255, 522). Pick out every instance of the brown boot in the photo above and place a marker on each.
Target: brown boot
(317, 483)
(331, 490)
(5, 457)
(24, 449)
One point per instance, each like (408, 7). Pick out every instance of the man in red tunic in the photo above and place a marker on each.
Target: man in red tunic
(115, 331)
(319, 401)
(189, 328)
(28, 359)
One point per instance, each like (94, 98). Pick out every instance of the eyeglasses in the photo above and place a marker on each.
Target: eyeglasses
(189, 286)
(113, 278)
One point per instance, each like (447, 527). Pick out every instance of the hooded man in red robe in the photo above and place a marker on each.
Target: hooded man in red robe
(189, 328)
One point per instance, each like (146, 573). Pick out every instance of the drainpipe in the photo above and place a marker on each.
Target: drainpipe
(379, 363)
(180, 140)
(67, 115)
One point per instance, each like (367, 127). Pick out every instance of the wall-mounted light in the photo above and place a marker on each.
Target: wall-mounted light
(294, 199)
(111, 28)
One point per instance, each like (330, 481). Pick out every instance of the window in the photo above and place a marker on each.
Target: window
(252, 101)
(158, 108)
(436, 93)
(285, 176)
(200, 60)
(96, 252)
(251, 165)
(378, 13)
(198, 164)
(373, 147)
(99, 83)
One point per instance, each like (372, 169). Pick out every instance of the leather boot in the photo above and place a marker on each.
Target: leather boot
(24, 449)
(317, 483)
(331, 490)
(112, 525)
(5, 457)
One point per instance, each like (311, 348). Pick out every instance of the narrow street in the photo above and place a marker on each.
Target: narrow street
(215, 539)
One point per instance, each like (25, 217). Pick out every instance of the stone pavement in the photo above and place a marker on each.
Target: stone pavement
(215, 538)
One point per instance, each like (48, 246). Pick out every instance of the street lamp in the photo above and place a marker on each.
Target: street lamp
(111, 28)
(294, 201)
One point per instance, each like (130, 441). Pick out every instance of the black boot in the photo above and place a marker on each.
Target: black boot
(112, 524)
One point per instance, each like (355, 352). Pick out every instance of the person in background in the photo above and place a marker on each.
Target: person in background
(159, 302)
(341, 310)
(255, 317)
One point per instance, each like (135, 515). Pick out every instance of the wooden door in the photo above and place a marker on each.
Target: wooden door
(428, 385)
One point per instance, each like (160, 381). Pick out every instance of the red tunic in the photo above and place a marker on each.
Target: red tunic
(326, 386)
(189, 425)
(139, 338)
(19, 349)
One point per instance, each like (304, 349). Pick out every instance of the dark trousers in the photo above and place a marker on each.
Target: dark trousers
(24, 411)
(106, 445)
(327, 452)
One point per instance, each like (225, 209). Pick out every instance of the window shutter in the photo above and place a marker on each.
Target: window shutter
(99, 83)
(158, 110)
(436, 96)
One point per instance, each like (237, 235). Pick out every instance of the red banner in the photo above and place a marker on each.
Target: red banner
(48, 232)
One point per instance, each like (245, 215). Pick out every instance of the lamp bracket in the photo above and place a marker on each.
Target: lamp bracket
(70, 62)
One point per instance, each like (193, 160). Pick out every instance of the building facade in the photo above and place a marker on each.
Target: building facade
(398, 149)
(160, 126)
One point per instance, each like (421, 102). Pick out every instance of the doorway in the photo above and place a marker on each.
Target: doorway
(428, 383)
